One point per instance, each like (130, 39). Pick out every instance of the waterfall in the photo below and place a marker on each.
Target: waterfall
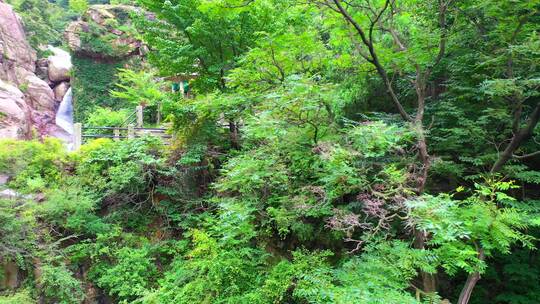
(64, 115)
(60, 61)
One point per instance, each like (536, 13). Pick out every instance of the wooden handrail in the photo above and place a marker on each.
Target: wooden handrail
(112, 136)
(104, 128)
(153, 129)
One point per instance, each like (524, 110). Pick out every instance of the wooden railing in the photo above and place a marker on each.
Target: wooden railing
(118, 133)
(126, 131)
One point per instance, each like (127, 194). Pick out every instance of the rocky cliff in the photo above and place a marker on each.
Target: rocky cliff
(30, 89)
(101, 41)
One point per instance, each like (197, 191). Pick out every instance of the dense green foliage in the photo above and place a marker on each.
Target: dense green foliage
(331, 152)
(92, 84)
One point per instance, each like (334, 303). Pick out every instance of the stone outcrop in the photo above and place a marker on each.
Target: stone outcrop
(60, 90)
(39, 93)
(59, 65)
(72, 35)
(99, 26)
(17, 60)
(12, 102)
(16, 54)
(105, 38)
(10, 275)
(13, 112)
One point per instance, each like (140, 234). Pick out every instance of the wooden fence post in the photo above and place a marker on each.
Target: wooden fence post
(159, 109)
(139, 116)
(131, 132)
(77, 136)
(116, 134)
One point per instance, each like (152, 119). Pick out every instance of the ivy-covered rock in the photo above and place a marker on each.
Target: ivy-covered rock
(101, 41)
(104, 32)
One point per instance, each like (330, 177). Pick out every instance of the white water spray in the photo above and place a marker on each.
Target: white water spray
(64, 115)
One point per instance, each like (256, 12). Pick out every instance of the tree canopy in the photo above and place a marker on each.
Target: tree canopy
(328, 151)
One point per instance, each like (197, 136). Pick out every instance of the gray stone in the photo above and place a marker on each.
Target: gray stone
(60, 90)
(59, 65)
(40, 95)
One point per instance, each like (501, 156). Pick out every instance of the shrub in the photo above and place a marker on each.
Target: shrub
(105, 117)
(33, 165)
(19, 297)
(79, 6)
(59, 285)
(131, 275)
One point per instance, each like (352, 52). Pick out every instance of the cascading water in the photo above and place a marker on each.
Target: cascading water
(64, 115)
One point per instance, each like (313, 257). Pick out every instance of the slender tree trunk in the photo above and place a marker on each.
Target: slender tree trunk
(519, 137)
(233, 132)
(429, 280)
(374, 60)
(472, 279)
(365, 34)
(426, 163)
(420, 87)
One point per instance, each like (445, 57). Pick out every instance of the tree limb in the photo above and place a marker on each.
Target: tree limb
(518, 138)
(525, 156)
(374, 58)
